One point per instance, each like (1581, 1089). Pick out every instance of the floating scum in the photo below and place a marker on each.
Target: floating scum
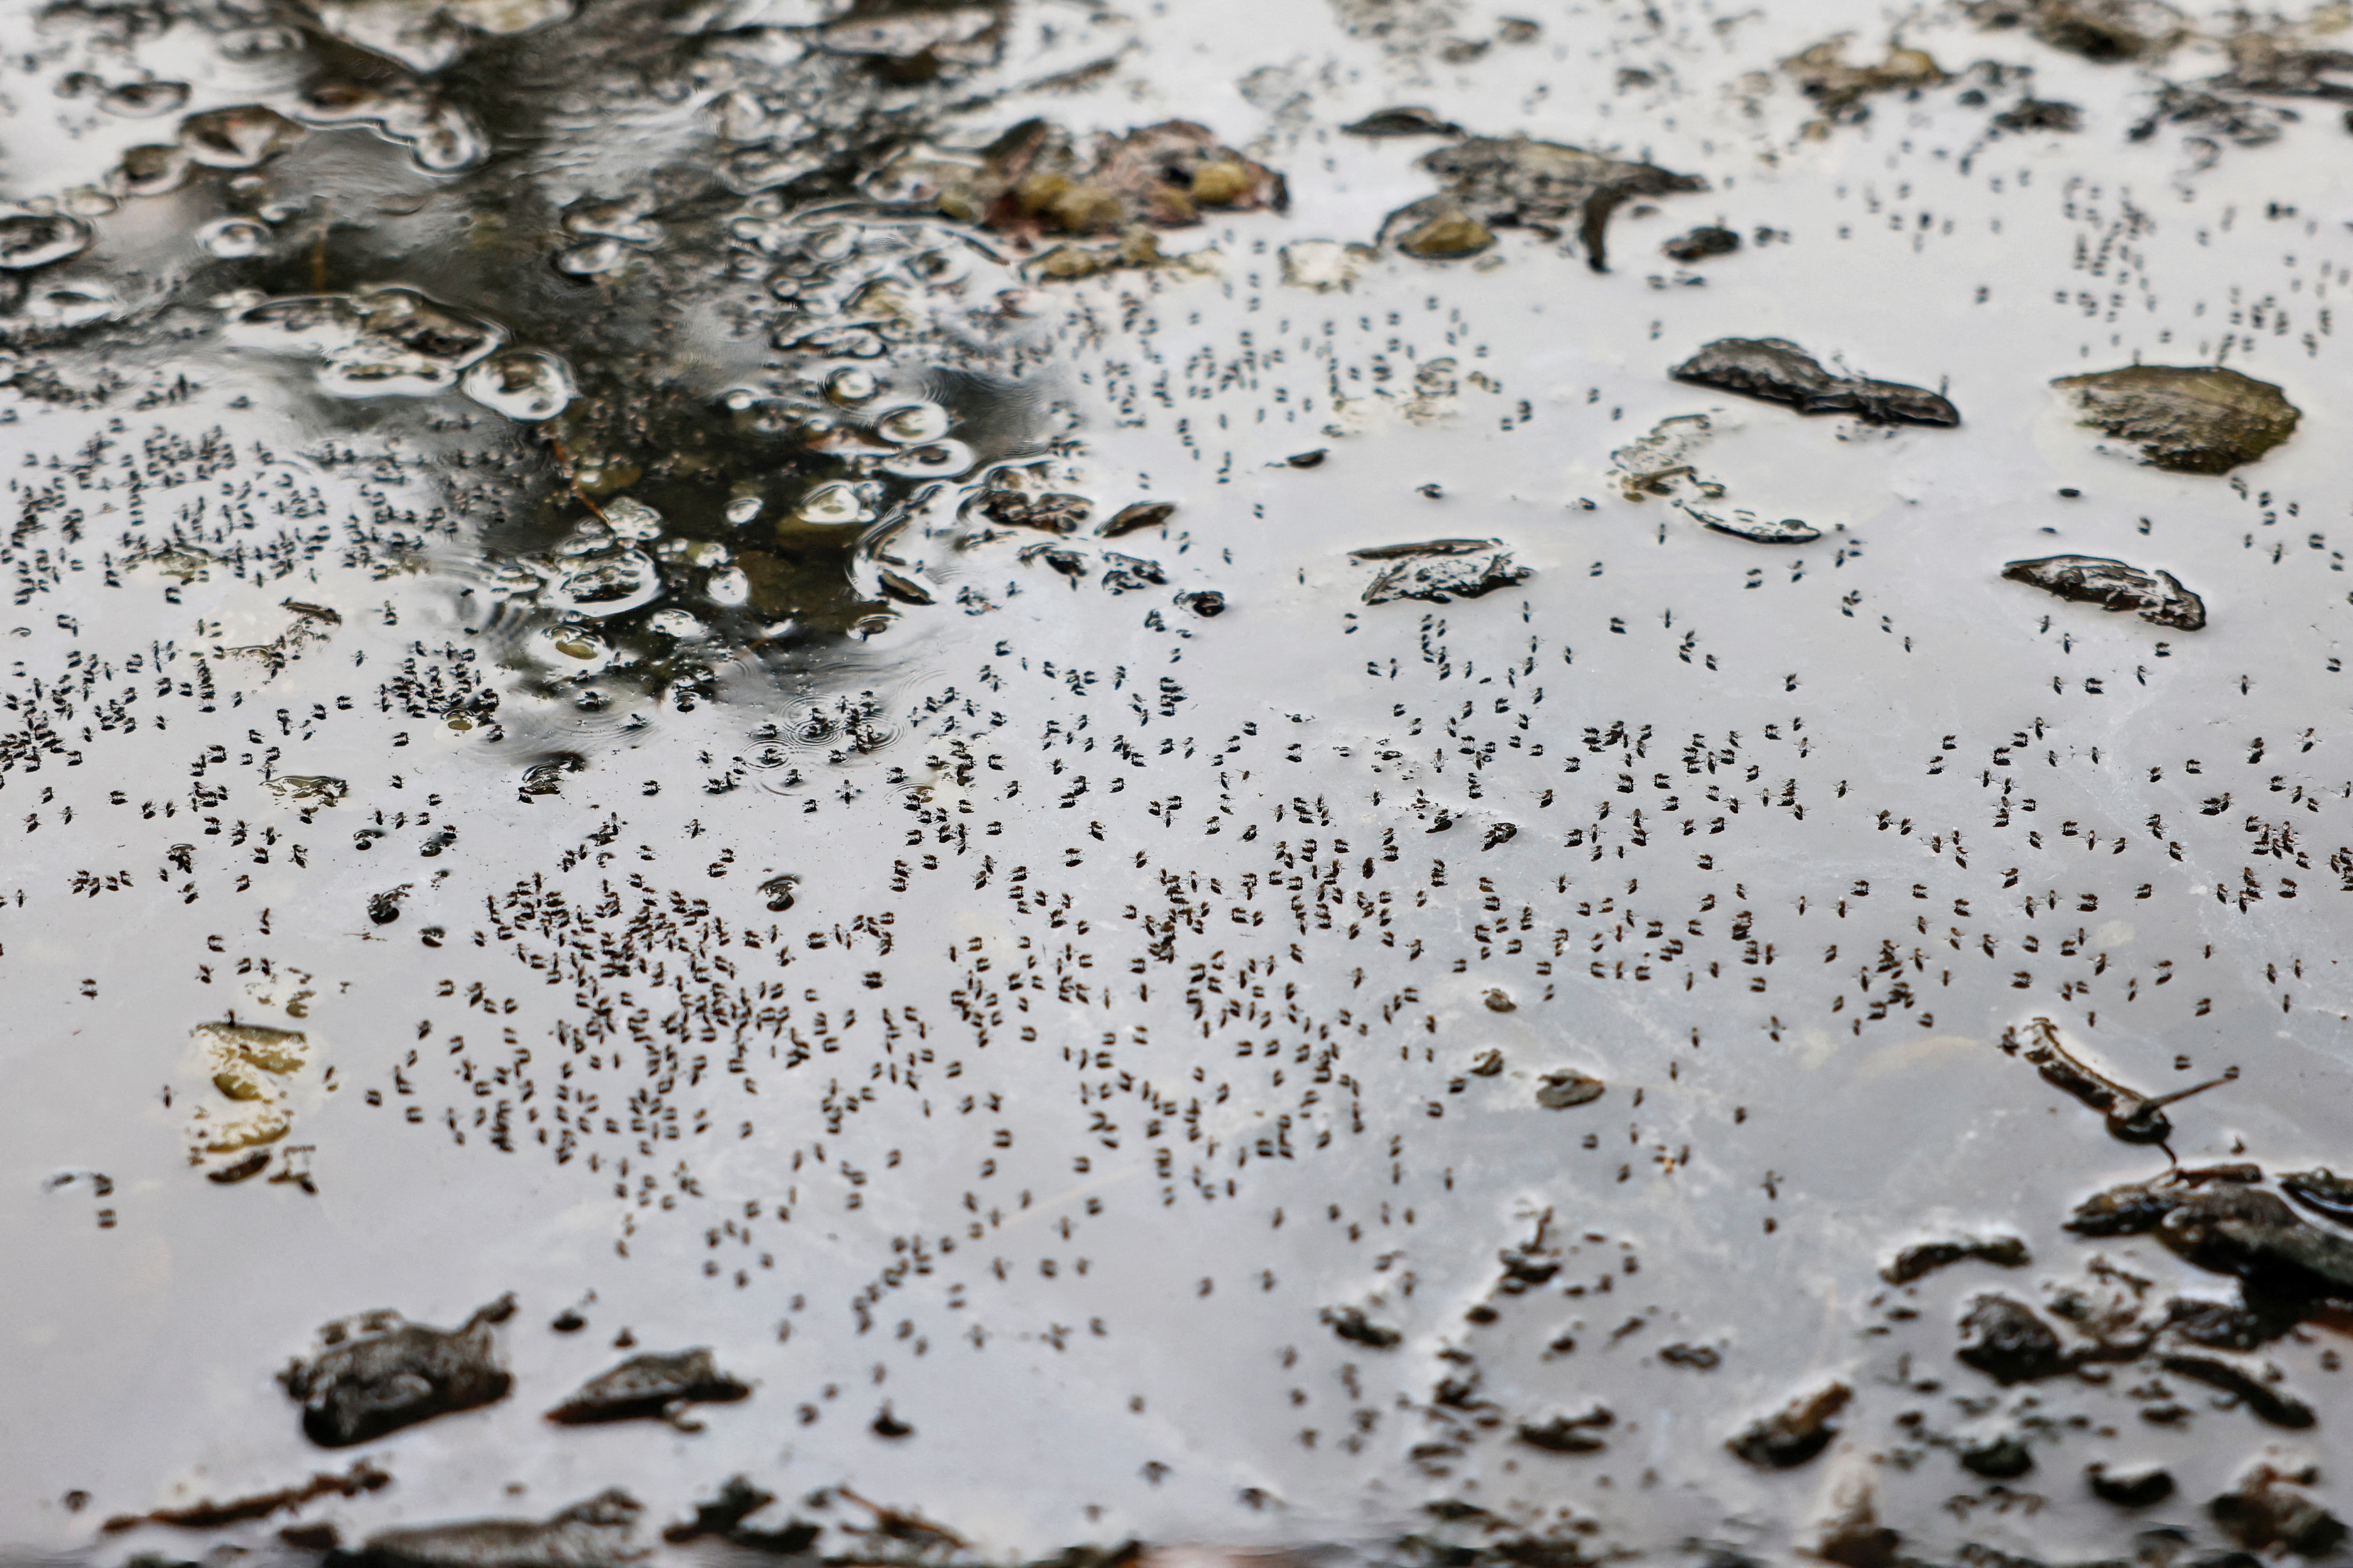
(959, 782)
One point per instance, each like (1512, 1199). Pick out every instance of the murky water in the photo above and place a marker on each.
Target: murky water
(981, 782)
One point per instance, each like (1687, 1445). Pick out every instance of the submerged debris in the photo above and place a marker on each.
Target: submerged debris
(1795, 1433)
(2192, 419)
(597, 1533)
(1440, 569)
(361, 1479)
(2161, 600)
(652, 1385)
(379, 1372)
(1779, 371)
(1498, 182)
(1919, 1261)
(2096, 29)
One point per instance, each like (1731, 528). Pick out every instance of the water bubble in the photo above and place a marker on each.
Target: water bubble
(624, 219)
(851, 385)
(633, 518)
(606, 583)
(572, 647)
(912, 423)
(70, 305)
(256, 43)
(35, 239)
(676, 623)
(730, 587)
(232, 238)
(151, 170)
(521, 383)
(834, 505)
(142, 99)
(743, 510)
(589, 260)
(239, 138)
(407, 346)
(939, 460)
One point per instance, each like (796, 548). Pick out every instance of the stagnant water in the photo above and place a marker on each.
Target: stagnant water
(1368, 779)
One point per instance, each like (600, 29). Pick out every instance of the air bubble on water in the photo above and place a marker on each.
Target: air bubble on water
(606, 583)
(939, 460)
(142, 99)
(151, 170)
(632, 519)
(835, 505)
(521, 383)
(589, 260)
(232, 238)
(35, 239)
(379, 343)
(575, 649)
(676, 623)
(70, 305)
(851, 385)
(730, 587)
(743, 510)
(88, 201)
(912, 423)
(240, 138)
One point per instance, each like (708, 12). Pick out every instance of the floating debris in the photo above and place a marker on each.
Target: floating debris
(1136, 517)
(724, 1517)
(652, 1384)
(2322, 1191)
(2131, 1488)
(1919, 1261)
(1440, 571)
(1496, 182)
(2261, 1400)
(1708, 239)
(377, 1372)
(2005, 1459)
(1823, 74)
(1778, 371)
(2262, 1512)
(358, 1481)
(2006, 1341)
(1350, 1323)
(1795, 1433)
(1035, 179)
(2096, 29)
(1323, 264)
(1743, 524)
(1565, 1088)
(597, 1533)
(1408, 119)
(2192, 419)
(2040, 114)
(1568, 1434)
(2159, 597)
